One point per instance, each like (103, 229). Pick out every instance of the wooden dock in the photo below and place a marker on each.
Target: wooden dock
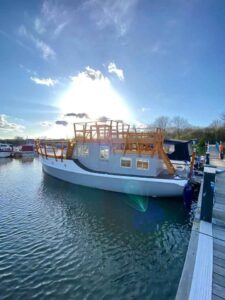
(218, 231)
(203, 275)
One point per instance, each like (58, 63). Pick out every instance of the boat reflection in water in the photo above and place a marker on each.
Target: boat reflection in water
(110, 208)
(27, 159)
(4, 161)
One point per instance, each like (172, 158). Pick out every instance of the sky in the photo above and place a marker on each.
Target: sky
(132, 60)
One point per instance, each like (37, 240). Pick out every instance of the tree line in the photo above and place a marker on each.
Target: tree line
(179, 128)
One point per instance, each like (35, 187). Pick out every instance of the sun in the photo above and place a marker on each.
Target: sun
(91, 94)
(94, 96)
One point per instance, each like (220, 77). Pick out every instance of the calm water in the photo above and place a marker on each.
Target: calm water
(61, 241)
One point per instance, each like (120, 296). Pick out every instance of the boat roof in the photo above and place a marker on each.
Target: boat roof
(175, 141)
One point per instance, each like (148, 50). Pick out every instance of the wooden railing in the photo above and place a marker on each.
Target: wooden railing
(55, 149)
(124, 139)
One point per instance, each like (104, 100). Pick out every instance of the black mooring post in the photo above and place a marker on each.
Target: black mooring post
(207, 194)
(207, 158)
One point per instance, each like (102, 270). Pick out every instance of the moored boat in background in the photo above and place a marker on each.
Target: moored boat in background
(27, 150)
(5, 150)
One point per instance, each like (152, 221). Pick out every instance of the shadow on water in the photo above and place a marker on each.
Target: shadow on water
(142, 213)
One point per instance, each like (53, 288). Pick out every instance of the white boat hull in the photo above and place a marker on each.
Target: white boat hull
(4, 154)
(69, 171)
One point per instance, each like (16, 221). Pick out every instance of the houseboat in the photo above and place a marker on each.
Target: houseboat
(5, 150)
(116, 157)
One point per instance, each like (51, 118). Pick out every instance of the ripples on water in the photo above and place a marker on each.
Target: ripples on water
(62, 241)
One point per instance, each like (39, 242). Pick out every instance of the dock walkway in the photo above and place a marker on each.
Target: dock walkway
(203, 275)
(218, 230)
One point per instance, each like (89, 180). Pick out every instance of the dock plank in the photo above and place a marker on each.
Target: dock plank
(219, 242)
(219, 261)
(218, 254)
(214, 297)
(202, 289)
(218, 290)
(219, 270)
(218, 247)
(219, 234)
(218, 279)
(218, 228)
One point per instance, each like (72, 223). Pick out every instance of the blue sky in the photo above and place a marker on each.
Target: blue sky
(132, 59)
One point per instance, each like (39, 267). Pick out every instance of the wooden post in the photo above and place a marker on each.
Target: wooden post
(75, 131)
(62, 151)
(207, 194)
(53, 148)
(192, 163)
(42, 155)
(46, 155)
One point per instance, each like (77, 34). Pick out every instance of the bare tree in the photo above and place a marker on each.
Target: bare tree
(179, 124)
(216, 124)
(162, 122)
(222, 117)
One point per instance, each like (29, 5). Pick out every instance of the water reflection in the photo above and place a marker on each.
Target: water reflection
(4, 161)
(130, 211)
(63, 241)
(27, 159)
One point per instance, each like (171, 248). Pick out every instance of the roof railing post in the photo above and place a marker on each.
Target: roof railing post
(62, 149)
(53, 148)
(46, 155)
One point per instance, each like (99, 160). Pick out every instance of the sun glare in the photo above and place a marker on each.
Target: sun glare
(91, 94)
(95, 97)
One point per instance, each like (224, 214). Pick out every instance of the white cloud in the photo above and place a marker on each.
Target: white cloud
(47, 51)
(112, 68)
(60, 28)
(44, 81)
(93, 74)
(55, 15)
(112, 13)
(46, 124)
(27, 70)
(50, 11)
(9, 126)
(39, 26)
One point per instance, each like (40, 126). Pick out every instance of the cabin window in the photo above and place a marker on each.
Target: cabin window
(142, 164)
(82, 150)
(169, 148)
(104, 152)
(125, 162)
